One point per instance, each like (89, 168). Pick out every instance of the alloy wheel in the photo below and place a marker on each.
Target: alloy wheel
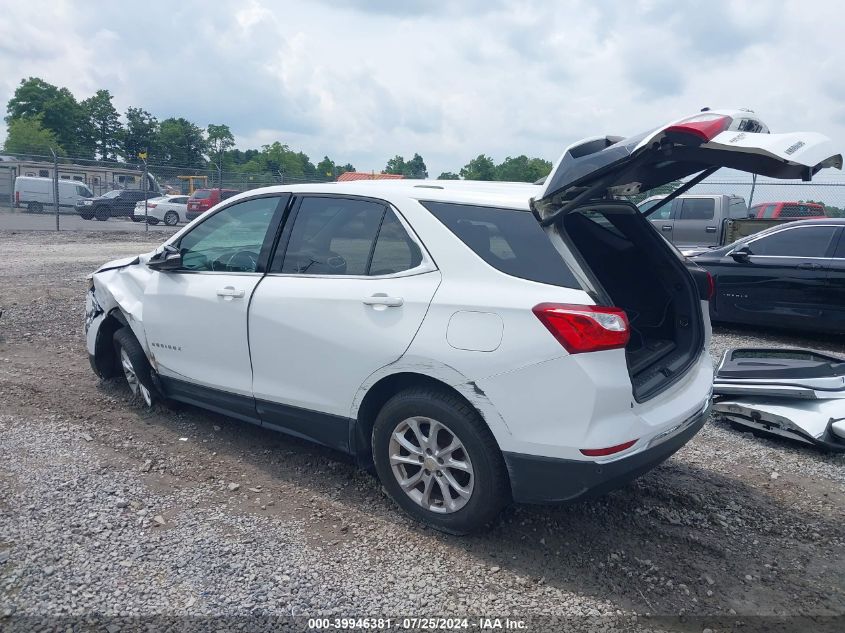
(431, 464)
(131, 375)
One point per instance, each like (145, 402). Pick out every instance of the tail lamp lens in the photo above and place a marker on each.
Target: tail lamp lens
(582, 328)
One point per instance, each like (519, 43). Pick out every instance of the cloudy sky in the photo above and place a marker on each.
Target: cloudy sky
(364, 80)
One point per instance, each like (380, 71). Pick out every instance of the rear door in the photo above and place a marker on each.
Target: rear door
(696, 223)
(702, 143)
(834, 309)
(664, 218)
(346, 293)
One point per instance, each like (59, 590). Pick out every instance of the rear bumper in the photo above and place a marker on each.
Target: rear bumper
(550, 480)
(193, 215)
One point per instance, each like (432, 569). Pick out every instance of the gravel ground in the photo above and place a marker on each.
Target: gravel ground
(107, 509)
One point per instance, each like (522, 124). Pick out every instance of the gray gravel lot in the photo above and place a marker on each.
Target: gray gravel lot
(106, 508)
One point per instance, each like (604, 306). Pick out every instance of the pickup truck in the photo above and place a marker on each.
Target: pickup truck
(698, 222)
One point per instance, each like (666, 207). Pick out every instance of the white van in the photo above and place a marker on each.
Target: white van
(36, 194)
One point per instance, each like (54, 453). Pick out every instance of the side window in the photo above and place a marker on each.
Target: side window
(231, 239)
(332, 236)
(395, 251)
(738, 209)
(510, 241)
(663, 213)
(840, 249)
(769, 211)
(698, 208)
(808, 241)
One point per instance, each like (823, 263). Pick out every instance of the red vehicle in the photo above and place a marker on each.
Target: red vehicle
(797, 210)
(203, 199)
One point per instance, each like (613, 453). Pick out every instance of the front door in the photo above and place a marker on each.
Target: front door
(342, 300)
(783, 281)
(195, 318)
(695, 224)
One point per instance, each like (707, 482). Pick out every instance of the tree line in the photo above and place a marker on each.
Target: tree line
(41, 116)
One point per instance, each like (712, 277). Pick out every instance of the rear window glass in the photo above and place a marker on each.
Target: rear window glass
(201, 194)
(800, 211)
(510, 241)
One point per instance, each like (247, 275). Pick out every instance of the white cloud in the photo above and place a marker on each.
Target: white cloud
(361, 81)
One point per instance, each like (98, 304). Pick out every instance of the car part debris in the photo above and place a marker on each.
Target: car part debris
(794, 393)
(786, 373)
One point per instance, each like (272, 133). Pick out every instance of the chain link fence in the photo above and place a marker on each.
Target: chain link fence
(99, 177)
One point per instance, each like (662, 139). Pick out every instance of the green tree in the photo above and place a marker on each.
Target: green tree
(181, 144)
(58, 112)
(448, 175)
(105, 124)
(219, 139)
(522, 169)
(829, 210)
(342, 169)
(395, 165)
(326, 168)
(26, 135)
(140, 134)
(415, 168)
(479, 168)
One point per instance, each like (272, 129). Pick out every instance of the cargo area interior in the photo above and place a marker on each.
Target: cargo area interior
(645, 278)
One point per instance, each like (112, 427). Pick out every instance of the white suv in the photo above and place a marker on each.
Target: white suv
(476, 343)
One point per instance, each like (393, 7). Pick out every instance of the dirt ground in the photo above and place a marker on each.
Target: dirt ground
(734, 525)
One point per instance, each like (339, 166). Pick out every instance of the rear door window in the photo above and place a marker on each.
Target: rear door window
(697, 208)
(510, 241)
(394, 251)
(805, 241)
(331, 236)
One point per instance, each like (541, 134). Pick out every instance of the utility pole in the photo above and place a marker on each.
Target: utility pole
(56, 185)
(143, 157)
(753, 184)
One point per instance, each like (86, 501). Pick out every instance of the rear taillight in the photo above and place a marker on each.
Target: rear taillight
(17, 198)
(610, 450)
(581, 328)
(703, 127)
(711, 287)
(151, 206)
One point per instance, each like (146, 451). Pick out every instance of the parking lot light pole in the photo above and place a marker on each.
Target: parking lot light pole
(55, 185)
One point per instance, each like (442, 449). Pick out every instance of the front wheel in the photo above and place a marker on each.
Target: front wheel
(439, 461)
(102, 213)
(171, 218)
(135, 366)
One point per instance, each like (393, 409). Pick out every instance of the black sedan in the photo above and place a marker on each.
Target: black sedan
(791, 276)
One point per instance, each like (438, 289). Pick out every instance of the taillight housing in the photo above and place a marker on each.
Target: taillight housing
(583, 328)
(701, 128)
(704, 282)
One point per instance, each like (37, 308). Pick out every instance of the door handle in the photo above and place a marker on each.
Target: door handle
(666, 227)
(229, 293)
(710, 229)
(809, 266)
(383, 300)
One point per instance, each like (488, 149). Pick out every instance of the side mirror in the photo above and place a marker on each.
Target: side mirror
(741, 253)
(168, 259)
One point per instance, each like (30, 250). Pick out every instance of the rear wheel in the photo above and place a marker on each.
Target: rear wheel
(135, 366)
(171, 218)
(35, 207)
(438, 460)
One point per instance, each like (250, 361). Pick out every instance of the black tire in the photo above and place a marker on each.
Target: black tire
(152, 221)
(102, 213)
(125, 341)
(86, 216)
(35, 207)
(171, 218)
(491, 488)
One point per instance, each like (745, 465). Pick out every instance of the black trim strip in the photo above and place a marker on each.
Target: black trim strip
(329, 430)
